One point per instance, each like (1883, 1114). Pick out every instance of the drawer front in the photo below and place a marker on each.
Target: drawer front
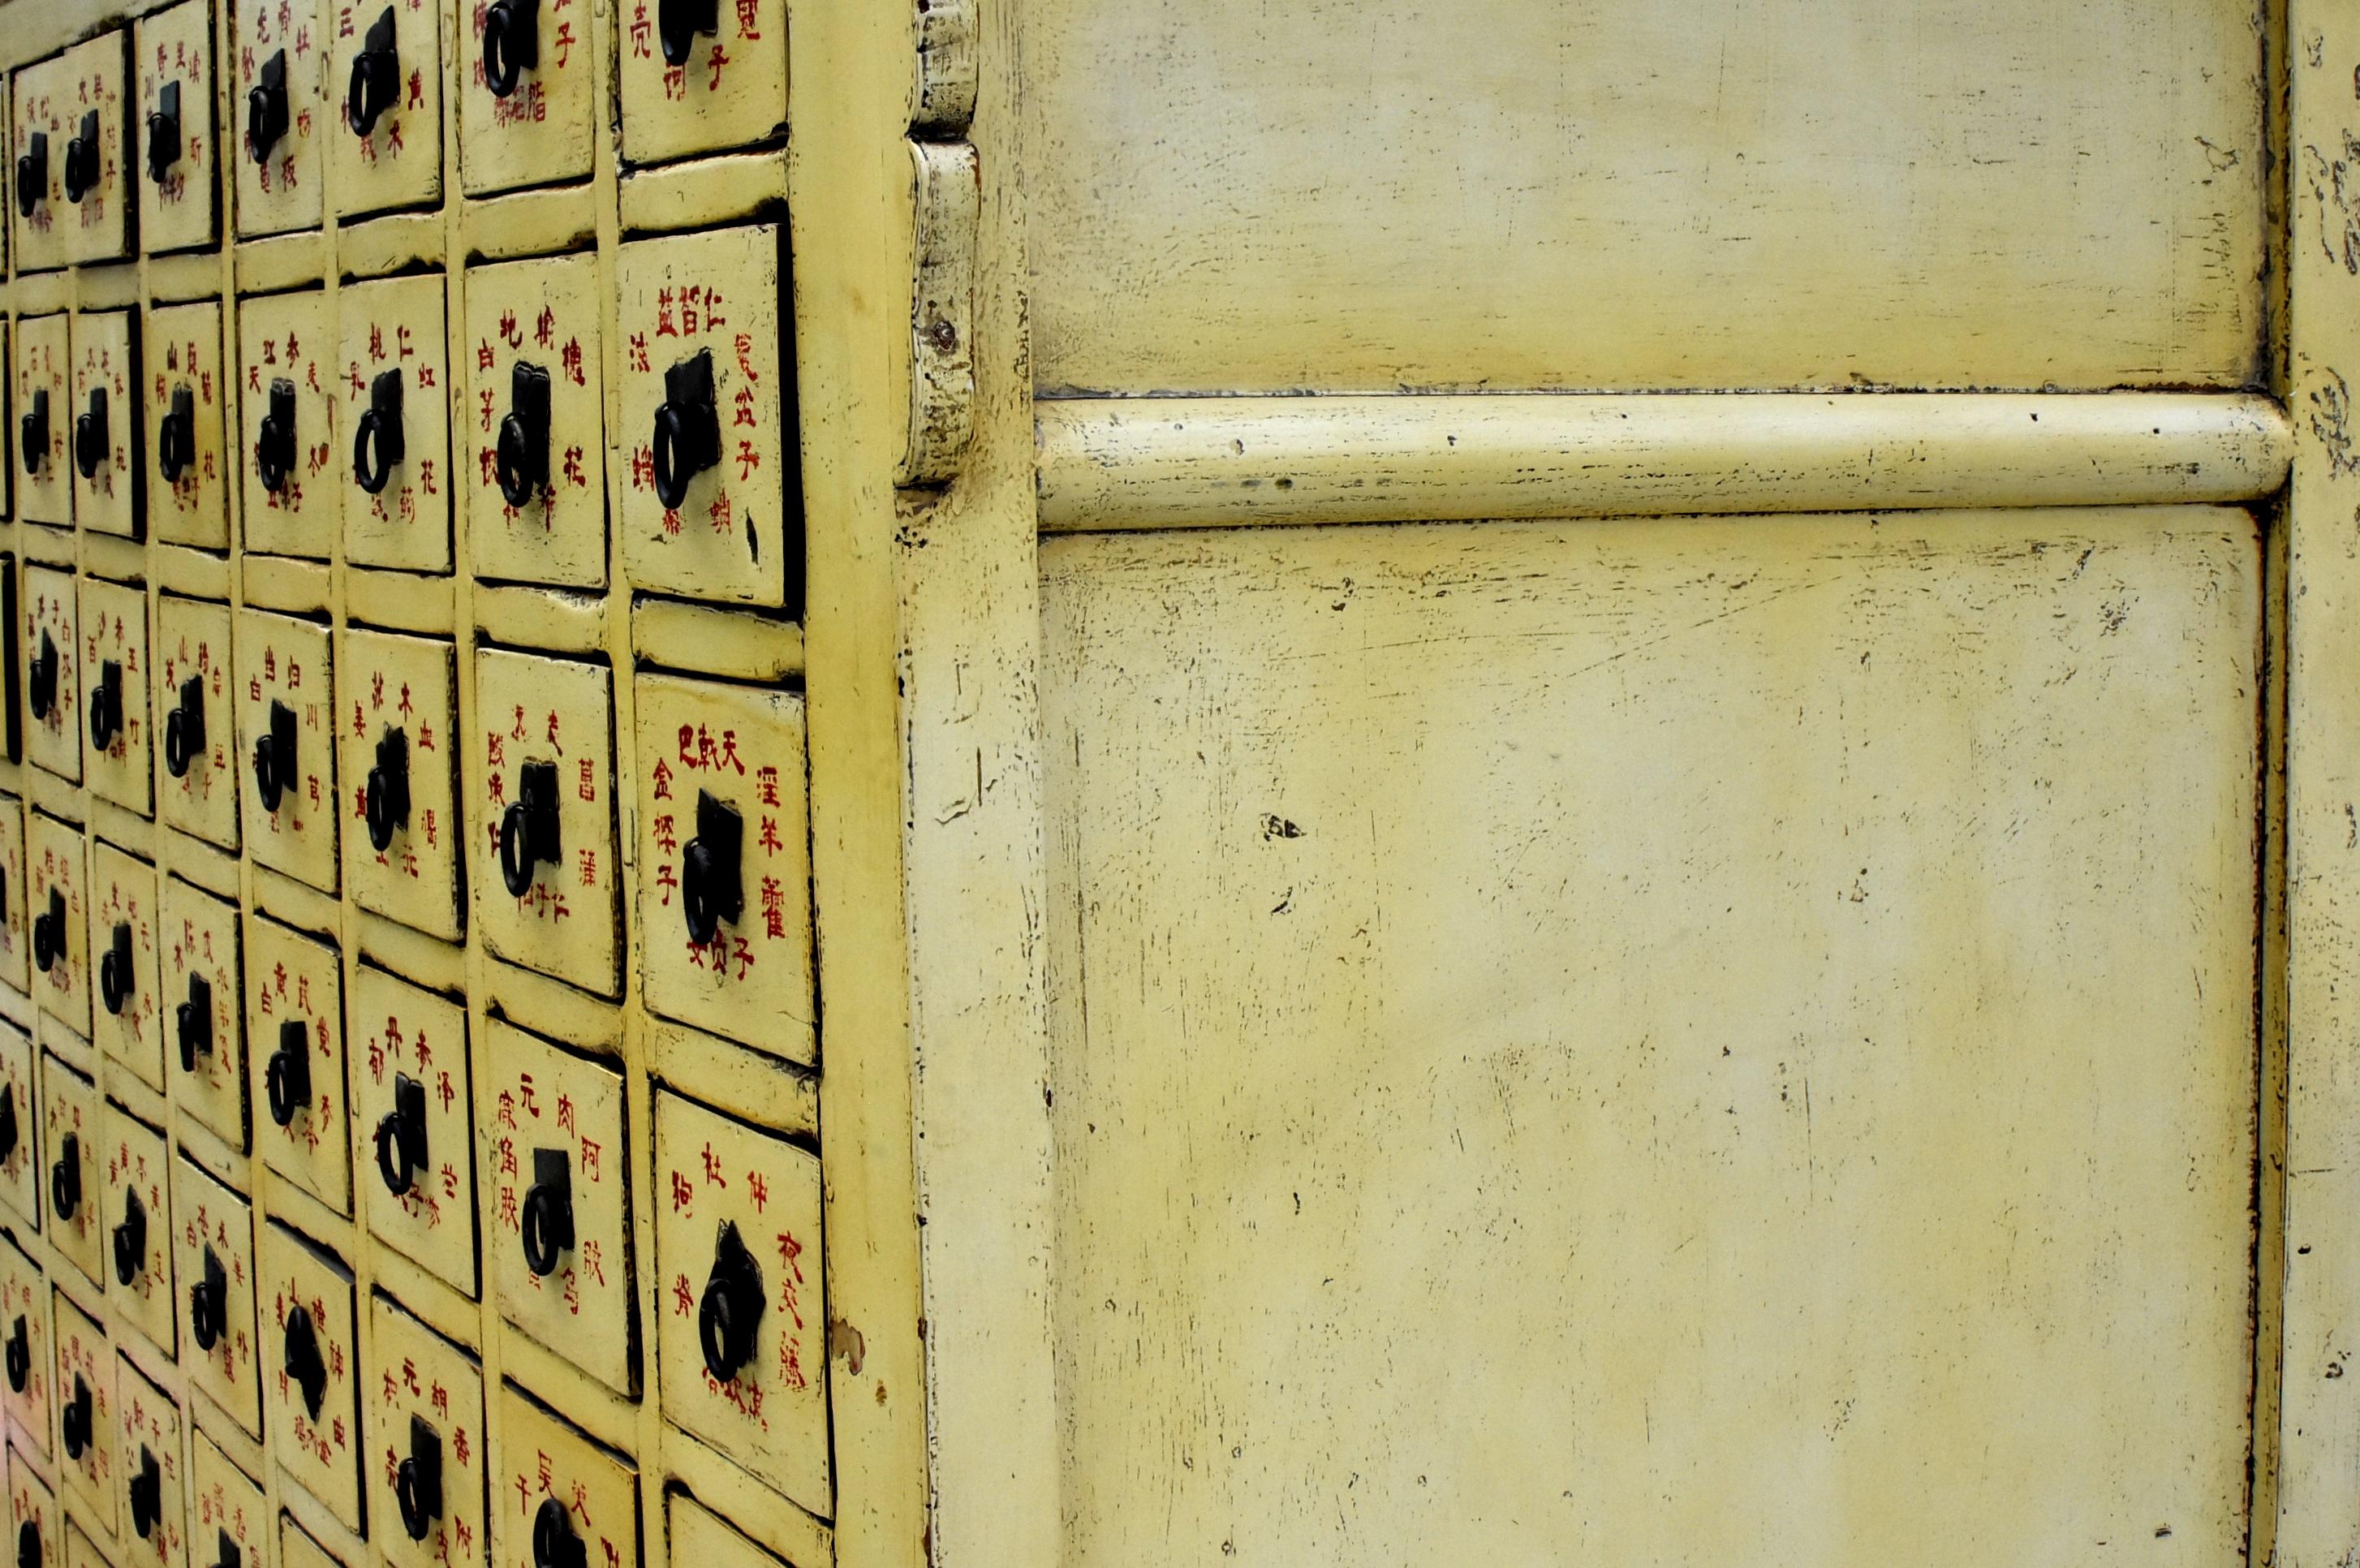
(545, 866)
(543, 1461)
(105, 442)
(715, 510)
(413, 1115)
(20, 1117)
(294, 1025)
(538, 422)
(52, 670)
(387, 64)
(287, 419)
(524, 105)
(227, 1513)
(60, 906)
(553, 1143)
(310, 1396)
(114, 679)
(92, 100)
(30, 1502)
(126, 932)
(16, 934)
(396, 472)
(298, 1549)
(703, 1538)
(197, 732)
(204, 999)
(286, 718)
(72, 1133)
(212, 1251)
(36, 109)
(186, 424)
(724, 859)
(24, 1340)
(85, 1399)
(686, 92)
(153, 1494)
(401, 835)
(174, 145)
(284, 112)
(44, 409)
(426, 1443)
(138, 1217)
(738, 1250)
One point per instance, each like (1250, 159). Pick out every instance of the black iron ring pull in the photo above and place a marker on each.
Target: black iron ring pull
(65, 1177)
(546, 1226)
(688, 428)
(93, 439)
(73, 1421)
(106, 706)
(28, 1545)
(511, 43)
(175, 436)
(33, 432)
(529, 834)
(209, 1303)
(274, 757)
(164, 133)
(376, 82)
(184, 728)
(287, 1079)
(679, 21)
(302, 1360)
(712, 888)
(19, 1355)
(418, 1481)
(401, 1137)
(82, 159)
(114, 971)
(266, 108)
(49, 933)
(521, 457)
(32, 173)
(378, 445)
(131, 1240)
(230, 1556)
(147, 1492)
(274, 442)
(8, 1128)
(554, 1542)
(731, 1307)
(194, 1021)
(385, 794)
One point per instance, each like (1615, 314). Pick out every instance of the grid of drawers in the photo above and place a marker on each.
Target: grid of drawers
(408, 1011)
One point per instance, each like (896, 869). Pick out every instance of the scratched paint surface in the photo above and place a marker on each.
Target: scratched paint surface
(1664, 1042)
(1231, 195)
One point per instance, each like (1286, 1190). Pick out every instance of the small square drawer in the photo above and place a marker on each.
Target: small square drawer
(60, 905)
(80, 1551)
(287, 376)
(714, 507)
(286, 723)
(178, 191)
(73, 1131)
(154, 1496)
(25, 1346)
(397, 500)
(558, 1231)
(524, 109)
(42, 398)
(310, 1396)
(537, 487)
(294, 1018)
(186, 423)
(20, 1114)
(126, 931)
(90, 147)
(205, 999)
(139, 1228)
(387, 62)
(414, 1111)
(298, 1549)
(85, 1392)
(32, 1504)
(228, 1518)
(426, 1443)
(192, 666)
(691, 84)
(213, 1251)
(113, 625)
(281, 92)
(401, 844)
(724, 859)
(40, 108)
(741, 1336)
(15, 938)
(546, 869)
(556, 1487)
(106, 440)
(52, 654)
(703, 1538)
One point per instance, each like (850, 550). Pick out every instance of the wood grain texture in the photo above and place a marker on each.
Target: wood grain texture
(1663, 1041)
(1227, 195)
(1190, 462)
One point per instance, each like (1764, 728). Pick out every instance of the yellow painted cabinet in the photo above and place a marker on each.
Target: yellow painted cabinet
(175, 149)
(699, 79)
(427, 1440)
(227, 1512)
(16, 915)
(525, 95)
(127, 934)
(52, 654)
(556, 1487)
(85, 1394)
(155, 1476)
(138, 1223)
(71, 123)
(25, 1320)
(60, 895)
(20, 1118)
(73, 1138)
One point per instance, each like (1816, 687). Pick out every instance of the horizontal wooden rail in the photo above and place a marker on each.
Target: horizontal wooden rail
(1108, 463)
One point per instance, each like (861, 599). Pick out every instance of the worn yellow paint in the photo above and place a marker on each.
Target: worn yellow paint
(1655, 1038)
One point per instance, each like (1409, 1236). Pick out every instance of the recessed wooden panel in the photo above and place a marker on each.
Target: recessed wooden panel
(226, 1511)
(425, 1408)
(1625, 1040)
(535, 130)
(287, 405)
(59, 896)
(295, 1030)
(20, 1120)
(540, 1460)
(31, 1502)
(104, 438)
(1232, 196)
(85, 1391)
(153, 1484)
(286, 692)
(50, 652)
(16, 946)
